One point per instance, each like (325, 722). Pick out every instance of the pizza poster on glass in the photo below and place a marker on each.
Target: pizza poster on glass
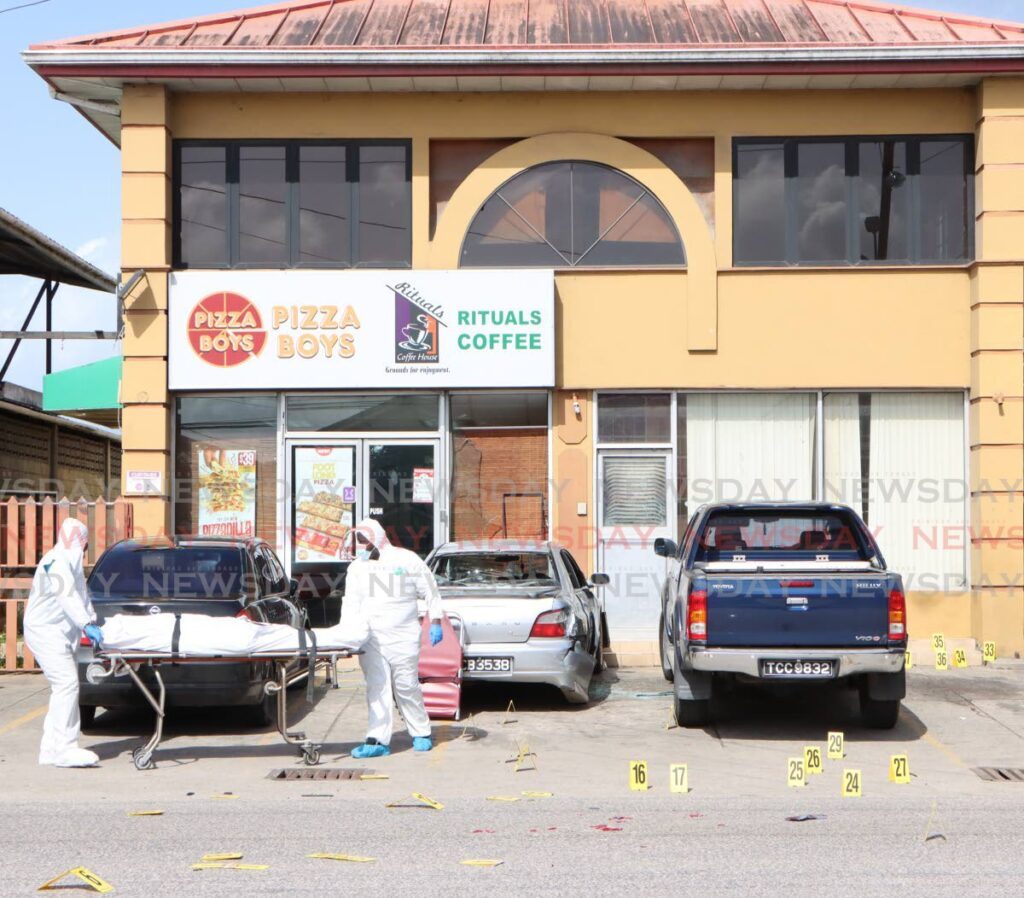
(324, 501)
(227, 492)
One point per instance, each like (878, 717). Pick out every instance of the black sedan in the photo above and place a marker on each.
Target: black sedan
(217, 577)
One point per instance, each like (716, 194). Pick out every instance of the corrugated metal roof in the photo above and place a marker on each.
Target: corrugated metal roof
(561, 23)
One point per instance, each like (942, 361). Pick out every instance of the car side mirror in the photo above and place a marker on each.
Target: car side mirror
(600, 579)
(293, 587)
(665, 547)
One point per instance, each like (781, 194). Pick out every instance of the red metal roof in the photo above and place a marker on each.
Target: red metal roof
(561, 23)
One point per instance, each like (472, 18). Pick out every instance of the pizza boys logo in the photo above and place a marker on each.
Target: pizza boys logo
(225, 329)
(417, 327)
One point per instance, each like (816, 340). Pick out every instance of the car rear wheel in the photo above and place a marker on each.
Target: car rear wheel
(88, 715)
(879, 714)
(663, 649)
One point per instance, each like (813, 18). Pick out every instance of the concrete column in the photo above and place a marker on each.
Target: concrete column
(997, 371)
(146, 244)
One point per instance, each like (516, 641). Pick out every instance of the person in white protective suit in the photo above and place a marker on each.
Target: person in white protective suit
(199, 634)
(58, 612)
(383, 587)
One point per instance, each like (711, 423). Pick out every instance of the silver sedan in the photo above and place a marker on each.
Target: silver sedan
(529, 614)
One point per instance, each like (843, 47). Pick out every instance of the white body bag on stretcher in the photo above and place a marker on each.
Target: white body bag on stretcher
(203, 636)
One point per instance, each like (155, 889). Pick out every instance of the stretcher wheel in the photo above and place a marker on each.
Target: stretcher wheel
(142, 759)
(311, 756)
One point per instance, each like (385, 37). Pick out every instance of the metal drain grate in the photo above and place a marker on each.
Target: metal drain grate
(1000, 774)
(290, 774)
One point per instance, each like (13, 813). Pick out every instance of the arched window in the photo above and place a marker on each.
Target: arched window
(572, 215)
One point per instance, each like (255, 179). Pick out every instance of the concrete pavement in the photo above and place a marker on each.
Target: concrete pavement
(728, 834)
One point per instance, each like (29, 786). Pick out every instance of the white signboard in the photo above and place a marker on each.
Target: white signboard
(227, 492)
(256, 330)
(144, 483)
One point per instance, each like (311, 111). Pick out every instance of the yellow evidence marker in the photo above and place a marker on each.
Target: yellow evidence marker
(851, 784)
(988, 652)
(503, 798)
(145, 813)
(941, 661)
(638, 776)
(795, 776)
(214, 858)
(352, 858)
(529, 794)
(482, 863)
(899, 769)
(959, 658)
(812, 760)
(938, 642)
(678, 778)
(836, 746)
(83, 875)
(908, 659)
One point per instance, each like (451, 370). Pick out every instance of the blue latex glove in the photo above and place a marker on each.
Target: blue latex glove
(95, 635)
(436, 634)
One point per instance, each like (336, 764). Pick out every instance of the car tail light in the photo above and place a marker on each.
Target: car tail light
(246, 614)
(697, 616)
(897, 616)
(550, 624)
(796, 584)
(85, 642)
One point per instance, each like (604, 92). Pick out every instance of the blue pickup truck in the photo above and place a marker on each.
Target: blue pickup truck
(781, 592)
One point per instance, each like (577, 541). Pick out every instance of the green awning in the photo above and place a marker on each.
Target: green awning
(92, 392)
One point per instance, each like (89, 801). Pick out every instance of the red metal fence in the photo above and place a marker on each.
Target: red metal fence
(28, 530)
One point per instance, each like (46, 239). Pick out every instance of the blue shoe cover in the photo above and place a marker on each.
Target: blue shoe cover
(370, 750)
(422, 743)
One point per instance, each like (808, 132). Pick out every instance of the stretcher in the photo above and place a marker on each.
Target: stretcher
(120, 663)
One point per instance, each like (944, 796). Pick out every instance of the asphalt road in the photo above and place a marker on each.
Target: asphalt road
(727, 836)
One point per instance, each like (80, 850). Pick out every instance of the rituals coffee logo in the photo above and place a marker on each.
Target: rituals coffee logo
(417, 327)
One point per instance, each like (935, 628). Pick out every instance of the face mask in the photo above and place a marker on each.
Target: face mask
(362, 554)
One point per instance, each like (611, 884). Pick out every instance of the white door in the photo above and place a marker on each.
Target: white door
(634, 490)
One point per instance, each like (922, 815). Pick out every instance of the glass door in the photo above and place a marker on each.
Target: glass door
(401, 491)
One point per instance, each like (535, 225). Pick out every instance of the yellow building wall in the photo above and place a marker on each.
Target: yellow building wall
(712, 326)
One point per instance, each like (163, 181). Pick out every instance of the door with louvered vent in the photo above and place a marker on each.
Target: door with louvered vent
(634, 495)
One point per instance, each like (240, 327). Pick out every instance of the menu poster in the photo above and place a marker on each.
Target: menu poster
(324, 501)
(227, 492)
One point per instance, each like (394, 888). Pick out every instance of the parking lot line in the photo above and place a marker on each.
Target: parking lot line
(945, 749)
(21, 721)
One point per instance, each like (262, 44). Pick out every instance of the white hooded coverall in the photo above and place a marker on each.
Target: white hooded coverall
(58, 610)
(385, 593)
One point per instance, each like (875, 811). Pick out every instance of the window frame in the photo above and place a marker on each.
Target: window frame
(851, 143)
(291, 146)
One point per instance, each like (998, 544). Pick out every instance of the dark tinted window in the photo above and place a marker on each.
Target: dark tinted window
(767, 534)
(152, 573)
(576, 575)
(821, 208)
(293, 203)
(634, 418)
(760, 198)
(203, 205)
(262, 206)
(325, 205)
(412, 412)
(884, 209)
(385, 215)
(853, 200)
(499, 410)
